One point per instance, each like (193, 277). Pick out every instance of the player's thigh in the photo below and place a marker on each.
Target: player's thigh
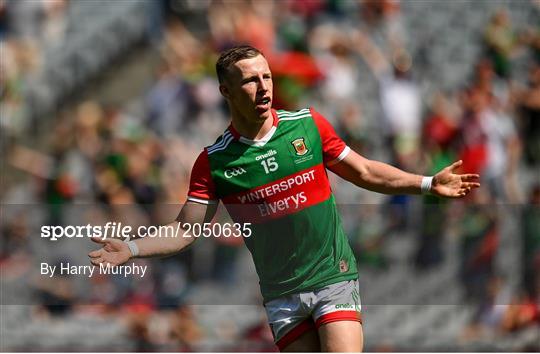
(292, 326)
(307, 342)
(341, 336)
(338, 318)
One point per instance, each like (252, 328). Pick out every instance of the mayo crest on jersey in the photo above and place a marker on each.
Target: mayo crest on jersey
(279, 184)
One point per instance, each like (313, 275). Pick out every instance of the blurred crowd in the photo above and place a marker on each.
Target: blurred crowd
(27, 30)
(134, 165)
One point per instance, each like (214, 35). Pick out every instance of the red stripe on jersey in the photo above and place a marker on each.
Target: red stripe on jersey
(281, 197)
(332, 144)
(201, 184)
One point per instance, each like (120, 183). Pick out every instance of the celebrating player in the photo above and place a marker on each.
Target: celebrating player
(269, 168)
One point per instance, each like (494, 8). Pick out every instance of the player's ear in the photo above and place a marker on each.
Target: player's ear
(224, 90)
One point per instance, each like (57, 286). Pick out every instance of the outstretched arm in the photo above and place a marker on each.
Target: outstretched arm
(116, 252)
(383, 178)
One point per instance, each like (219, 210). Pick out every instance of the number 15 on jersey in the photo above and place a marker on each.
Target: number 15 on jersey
(270, 165)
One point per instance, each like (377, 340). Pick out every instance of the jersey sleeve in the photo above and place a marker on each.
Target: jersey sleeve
(334, 148)
(201, 187)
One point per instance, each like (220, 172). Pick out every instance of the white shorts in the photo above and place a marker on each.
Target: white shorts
(292, 315)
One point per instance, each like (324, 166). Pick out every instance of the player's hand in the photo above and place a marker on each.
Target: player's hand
(113, 252)
(448, 184)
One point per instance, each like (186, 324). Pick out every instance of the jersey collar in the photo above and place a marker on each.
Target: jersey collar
(257, 142)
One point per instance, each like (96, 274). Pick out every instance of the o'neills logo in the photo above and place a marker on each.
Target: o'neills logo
(269, 153)
(233, 172)
(300, 146)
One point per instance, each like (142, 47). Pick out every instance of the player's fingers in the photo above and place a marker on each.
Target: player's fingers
(470, 177)
(457, 195)
(463, 191)
(95, 254)
(470, 185)
(455, 165)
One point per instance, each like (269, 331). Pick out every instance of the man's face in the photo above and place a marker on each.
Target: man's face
(249, 88)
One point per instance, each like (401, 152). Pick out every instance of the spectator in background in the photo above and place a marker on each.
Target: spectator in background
(479, 243)
(185, 54)
(529, 105)
(43, 22)
(25, 18)
(368, 237)
(530, 234)
(254, 24)
(56, 295)
(185, 329)
(401, 119)
(489, 135)
(501, 43)
(504, 153)
(501, 314)
(352, 128)
(55, 22)
(491, 311)
(167, 101)
(400, 100)
(243, 22)
(20, 60)
(473, 141)
(336, 60)
(486, 80)
(535, 45)
(439, 132)
(340, 73)
(384, 15)
(3, 19)
(14, 242)
(500, 139)
(522, 313)
(60, 186)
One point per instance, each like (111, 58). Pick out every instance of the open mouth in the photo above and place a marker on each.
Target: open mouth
(263, 104)
(264, 101)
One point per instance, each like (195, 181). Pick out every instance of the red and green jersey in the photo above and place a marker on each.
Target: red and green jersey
(280, 185)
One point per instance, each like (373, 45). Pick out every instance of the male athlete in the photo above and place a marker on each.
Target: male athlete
(269, 168)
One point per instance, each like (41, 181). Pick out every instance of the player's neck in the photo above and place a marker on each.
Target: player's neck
(252, 130)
